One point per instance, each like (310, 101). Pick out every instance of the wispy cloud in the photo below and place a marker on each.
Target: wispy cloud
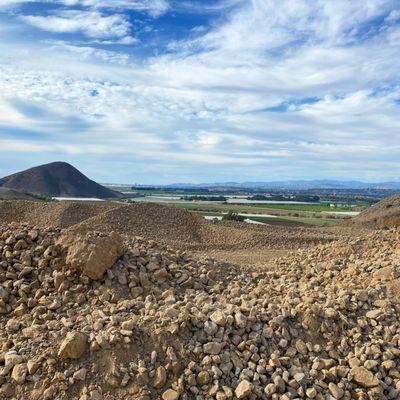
(266, 90)
(155, 8)
(90, 23)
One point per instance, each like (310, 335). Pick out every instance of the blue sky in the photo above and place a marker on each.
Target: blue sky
(161, 91)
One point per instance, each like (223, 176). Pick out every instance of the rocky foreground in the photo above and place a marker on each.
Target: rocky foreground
(94, 316)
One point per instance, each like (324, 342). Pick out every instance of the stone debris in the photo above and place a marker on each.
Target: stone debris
(155, 323)
(73, 346)
(170, 395)
(243, 389)
(364, 377)
(92, 254)
(166, 225)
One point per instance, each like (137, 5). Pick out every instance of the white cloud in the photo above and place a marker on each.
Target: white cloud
(393, 16)
(10, 116)
(12, 3)
(153, 7)
(211, 100)
(88, 53)
(90, 23)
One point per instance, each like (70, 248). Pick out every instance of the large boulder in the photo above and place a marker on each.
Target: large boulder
(93, 253)
(73, 346)
(364, 377)
(244, 389)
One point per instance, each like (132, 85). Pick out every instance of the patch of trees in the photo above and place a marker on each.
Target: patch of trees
(232, 216)
(281, 197)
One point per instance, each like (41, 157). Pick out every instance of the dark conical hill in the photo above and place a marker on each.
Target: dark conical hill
(57, 179)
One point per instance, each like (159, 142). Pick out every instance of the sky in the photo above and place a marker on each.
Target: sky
(166, 91)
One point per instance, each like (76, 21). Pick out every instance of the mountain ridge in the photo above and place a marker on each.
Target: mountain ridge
(295, 184)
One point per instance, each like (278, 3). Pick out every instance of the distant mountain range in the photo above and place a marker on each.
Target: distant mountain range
(57, 179)
(295, 185)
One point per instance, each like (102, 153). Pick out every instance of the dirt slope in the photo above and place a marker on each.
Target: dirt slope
(385, 214)
(50, 214)
(57, 179)
(153, 221)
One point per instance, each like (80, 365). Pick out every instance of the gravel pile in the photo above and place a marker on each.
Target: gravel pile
(50, 214)
(152, 221)
(238, 235)
(167, 225)
(184, 229)
(152, 323)
(385, 214)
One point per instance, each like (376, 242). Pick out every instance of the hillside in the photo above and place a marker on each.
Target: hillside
(385, 214)
(57, 179)
(11, 194)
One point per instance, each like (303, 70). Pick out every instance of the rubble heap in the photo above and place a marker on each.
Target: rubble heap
(322, 323)
(383, 215)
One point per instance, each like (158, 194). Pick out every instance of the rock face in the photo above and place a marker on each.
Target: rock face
(93, 254)
(73, 346)
(385, 214)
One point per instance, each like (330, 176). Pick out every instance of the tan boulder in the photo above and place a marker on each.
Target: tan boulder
(32, 366)
(218, 317)
(203, 378)
(243, 390)
(160, 377)
(19, 373)
(364, 377)
(93, 253)
(336, 391)
(73, 346)
(170, 394)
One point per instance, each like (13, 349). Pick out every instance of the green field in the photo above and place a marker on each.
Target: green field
(195, 206)
(284, 212)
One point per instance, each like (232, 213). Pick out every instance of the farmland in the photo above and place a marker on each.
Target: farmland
(323, 208)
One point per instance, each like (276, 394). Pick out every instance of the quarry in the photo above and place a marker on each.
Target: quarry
(125, 301)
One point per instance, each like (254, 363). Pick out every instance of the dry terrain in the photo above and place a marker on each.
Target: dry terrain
(385, 214)
(111, 301)
(232, 241)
